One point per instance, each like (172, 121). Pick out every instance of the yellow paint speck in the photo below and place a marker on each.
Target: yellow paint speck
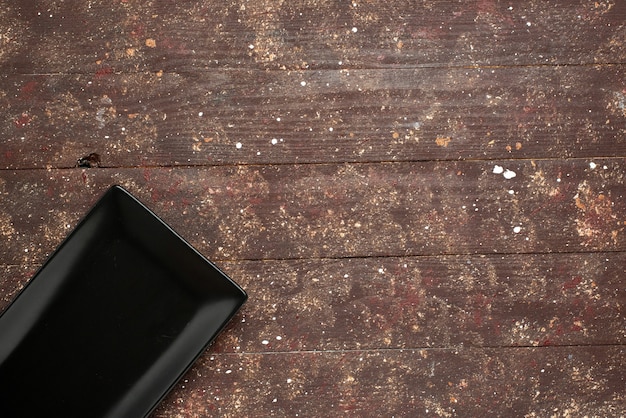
(443, 141)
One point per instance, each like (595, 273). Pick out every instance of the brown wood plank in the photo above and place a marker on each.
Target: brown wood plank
(253, 117)
(481, 301)
(349, 304)
(347, 210)
(424, 200)
(532, 382)
(78, 36)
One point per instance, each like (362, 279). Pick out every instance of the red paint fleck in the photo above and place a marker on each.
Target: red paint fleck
(84, 177)
(174, 187)
(569, 285)
(103, 72)
(577, 302)
(559, 330)
(429, 281)
(478, 318)
(498, 329)
(8, 155)
(23, 120)
(590, 312)
(546, 342)
(529, 109)
(28, 89)
(576, 328)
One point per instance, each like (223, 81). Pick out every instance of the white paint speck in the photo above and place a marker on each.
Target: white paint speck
(200, 114)
(265, 342)
(228, 371)
(331, 129)
(251, 46)
(277, 119)
(509, 174)
(274, 141)
(274, 400)
(497, 169)
(528, 24)
(303, 83)
(289, 380)
(381, 270)
(517, 229)
(605, 167)
(511, 191)
(239, 145)
(354, 30)
(278, 337)
(592, 165)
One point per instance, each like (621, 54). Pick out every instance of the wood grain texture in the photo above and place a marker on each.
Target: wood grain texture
(419, 302)
(283, 117)
(424, 200)
(76, 36)
(481, 301)
(564, 381)
(350, 210)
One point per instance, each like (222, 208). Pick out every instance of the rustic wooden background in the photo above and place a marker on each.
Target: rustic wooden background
(424, 200)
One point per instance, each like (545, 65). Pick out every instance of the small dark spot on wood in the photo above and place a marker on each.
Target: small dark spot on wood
(89, 161)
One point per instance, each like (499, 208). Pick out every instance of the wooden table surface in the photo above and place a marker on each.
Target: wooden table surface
(425, 201)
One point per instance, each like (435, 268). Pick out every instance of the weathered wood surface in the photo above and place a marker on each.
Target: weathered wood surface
(255, 117)
(350, 210)
(563, 381)
(414, 302)
(77, 36)
(424, 200)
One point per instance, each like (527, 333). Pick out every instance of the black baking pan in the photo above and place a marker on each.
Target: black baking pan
(113, 319)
